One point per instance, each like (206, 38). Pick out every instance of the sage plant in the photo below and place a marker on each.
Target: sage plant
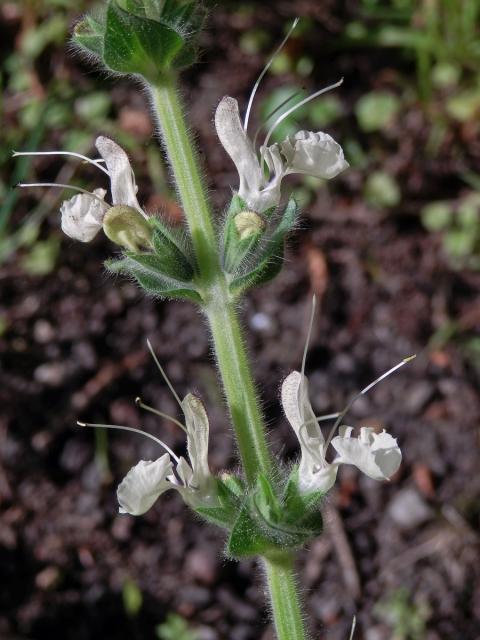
(270, 510)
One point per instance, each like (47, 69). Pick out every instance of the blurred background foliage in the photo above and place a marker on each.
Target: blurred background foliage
(427, 55)
(407, 115)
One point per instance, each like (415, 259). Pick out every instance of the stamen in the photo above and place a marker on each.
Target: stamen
(264, 71)
(304, 357)
(123, 428)
(272, 113)
(62, 186)
(327, 416)
(295, 107)
(354, 624)
(139, 403)
(62, 153)
(309, 333)
(164, 375)
(342, 414)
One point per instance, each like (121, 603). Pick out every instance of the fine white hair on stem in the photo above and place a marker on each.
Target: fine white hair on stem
(349, 405)
(61, 186)
(139, 402)
(295, 107)
(133, 430)
(264, 71)
(15, 154)
(164, 375)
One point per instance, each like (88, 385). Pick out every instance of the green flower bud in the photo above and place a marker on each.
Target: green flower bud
(243, 231)
(145, 37)
(127, 227)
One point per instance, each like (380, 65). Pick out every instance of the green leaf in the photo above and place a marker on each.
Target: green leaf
(147, 37)
(375, 111)
(246, 539)
(152, 281)
(266, 500)
(302, 510)
(89, 34)
(132, 597)
(381, 190)
(216, 515)
(436, 215)
(138, 45)
(173, 248)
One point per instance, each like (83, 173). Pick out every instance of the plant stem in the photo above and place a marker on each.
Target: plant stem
(239, 387)
(227, 337)
(182, 157)
(286, 606)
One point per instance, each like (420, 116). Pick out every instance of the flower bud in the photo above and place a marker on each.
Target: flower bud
(248, 224)
(127, 227)
(243, 231)
(150, 38)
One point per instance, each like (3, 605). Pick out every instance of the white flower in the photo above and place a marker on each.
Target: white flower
(143, 484)
(377, 455)
(82, 215)
(314, 472)
(315, 154)
(147, 480)
(122, 179)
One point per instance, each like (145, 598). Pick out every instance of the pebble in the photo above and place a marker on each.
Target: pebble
(261, 322)
(50, 373)
(408, 510)
(47, 578)
(43, 331)
(201, 565)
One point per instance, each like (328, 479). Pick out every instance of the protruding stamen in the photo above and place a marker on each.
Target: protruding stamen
(133, 430)
(309, 333)
(354, 624)
(297, 106)
(146, 407)
(62, 186)
(342, 414)
(272, 113)
(264, 71)
(327, 416)
(62, 153)
(164, 375)
(386, 374)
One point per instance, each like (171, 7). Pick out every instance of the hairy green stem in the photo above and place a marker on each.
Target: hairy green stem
(239, 386)
(227, 337)
(285, 602)
(183, 159)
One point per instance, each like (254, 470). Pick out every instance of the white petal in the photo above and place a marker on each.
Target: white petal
(313, 468)
(196, 420)
(377, 455)
(240, 149)
(143, 484)
(316, 154)
(321, 480)
(122, 179)
(82, 215)
(184, 472)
